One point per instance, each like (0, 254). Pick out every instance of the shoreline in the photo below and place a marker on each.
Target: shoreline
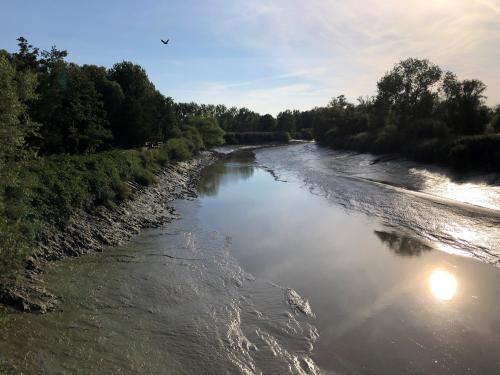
(91, 232)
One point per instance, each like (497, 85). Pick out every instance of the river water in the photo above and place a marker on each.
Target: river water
(293, 259)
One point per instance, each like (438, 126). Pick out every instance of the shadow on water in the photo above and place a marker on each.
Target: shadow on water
(401, 244)
(236, 167)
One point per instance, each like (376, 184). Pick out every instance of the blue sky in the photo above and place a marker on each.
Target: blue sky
(263, 54)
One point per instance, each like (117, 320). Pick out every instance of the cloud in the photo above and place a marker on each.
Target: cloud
(344, 46)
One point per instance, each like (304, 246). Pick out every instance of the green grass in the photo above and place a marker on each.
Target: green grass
(50, 189)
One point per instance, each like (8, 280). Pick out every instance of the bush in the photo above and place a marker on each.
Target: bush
(427, 128)
(305, 134)
(144, 177)
(211, 133)
(427, 150)
(388, 140)
(194, 139)
(231, 139)
(495, 123)
(122, 191)
(178, 149)
(360, 141)
(477, 151)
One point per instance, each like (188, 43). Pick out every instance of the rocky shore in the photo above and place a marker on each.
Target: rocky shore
(93, 231)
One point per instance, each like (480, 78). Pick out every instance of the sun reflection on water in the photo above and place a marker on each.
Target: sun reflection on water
(443, 285)
(478, 194)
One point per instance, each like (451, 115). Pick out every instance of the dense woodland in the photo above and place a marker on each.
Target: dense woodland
(421, 112)
(71, 135)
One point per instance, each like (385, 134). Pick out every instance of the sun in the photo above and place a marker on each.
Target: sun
(443, 285)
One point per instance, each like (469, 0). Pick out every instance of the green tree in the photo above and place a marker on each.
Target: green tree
(135, 124)
(267, 123)
(409, 90)
(211, 133)
(246, 120)
(71, 111)
(287, 121)
(464, 108)
(27, 56)
(17, 88)
(227, 118)
(110, 92)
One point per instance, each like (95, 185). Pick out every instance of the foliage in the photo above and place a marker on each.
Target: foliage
(211, 133)
(495, 123)
(252, 138)
(418, 112)
(17, 88)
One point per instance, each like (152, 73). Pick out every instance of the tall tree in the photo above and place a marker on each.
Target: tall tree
(409, 90)
(17, 89)
(287, 121)
(267, 123)
(136, 122)
(465, 111)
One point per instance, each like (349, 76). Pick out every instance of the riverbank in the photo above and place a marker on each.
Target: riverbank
(88, 231)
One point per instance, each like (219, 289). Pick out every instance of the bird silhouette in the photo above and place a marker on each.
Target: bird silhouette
(165, 42)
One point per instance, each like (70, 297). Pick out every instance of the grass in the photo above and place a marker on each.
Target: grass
(50, 189)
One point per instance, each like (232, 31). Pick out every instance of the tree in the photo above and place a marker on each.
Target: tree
(71, 111)
(211, 133)
(17, 88)
(27, 56)
(110, 92)
(246, 120)
(227, 119)
(267, 123)
(409, 90)
(185, 110)
(136, 122)
(286, 121)
(464, 108)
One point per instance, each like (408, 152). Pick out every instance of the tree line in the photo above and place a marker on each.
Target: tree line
(84, 109)
(67, 108)
(419, 111)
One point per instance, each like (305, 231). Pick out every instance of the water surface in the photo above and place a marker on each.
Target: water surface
(293, 260)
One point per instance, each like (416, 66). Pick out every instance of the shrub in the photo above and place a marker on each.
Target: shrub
(231, 139)
(144, 177)
(477, 151)
(495, 123)
(388, 140)
(178, 149)
(427, 128)
(210, 131)
(121, 190)
(193, 139)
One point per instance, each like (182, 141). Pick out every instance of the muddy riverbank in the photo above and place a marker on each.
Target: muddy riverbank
(90, 232)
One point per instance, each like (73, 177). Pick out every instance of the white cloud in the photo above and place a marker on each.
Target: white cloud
(344, 46)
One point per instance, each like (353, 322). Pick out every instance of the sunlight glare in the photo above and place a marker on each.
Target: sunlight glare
(443, 285)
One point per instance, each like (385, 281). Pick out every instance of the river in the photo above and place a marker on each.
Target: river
(293, 259)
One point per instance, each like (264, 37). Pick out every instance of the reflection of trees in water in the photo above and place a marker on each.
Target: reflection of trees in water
(401, 244)
(223, 173)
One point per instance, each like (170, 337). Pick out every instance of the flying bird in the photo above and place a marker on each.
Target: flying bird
(165, 42)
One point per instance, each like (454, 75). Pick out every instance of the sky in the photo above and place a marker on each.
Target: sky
(266, 55)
